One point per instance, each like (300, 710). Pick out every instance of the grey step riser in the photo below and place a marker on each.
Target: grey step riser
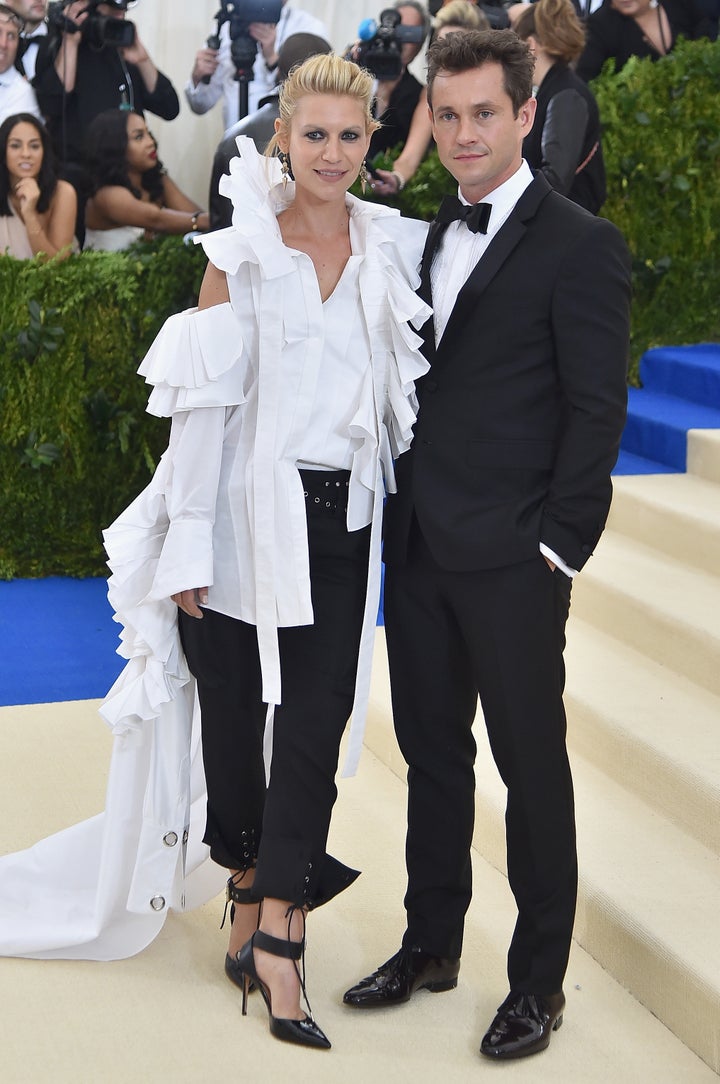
(675, 793)
(653, 975)
(684, 649)
(695, 542)
(703, 456)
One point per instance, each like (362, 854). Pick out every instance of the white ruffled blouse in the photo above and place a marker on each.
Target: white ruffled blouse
(241, 382)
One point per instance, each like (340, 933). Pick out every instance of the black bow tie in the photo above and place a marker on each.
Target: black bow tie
(476, 216)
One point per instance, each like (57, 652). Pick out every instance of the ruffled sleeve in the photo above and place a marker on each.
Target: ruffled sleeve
(195, 361)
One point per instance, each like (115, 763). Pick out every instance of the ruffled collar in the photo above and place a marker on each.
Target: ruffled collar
(255, 188)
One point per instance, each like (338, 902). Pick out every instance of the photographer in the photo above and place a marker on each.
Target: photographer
(81, 71)
(217, 64)
(396, 97)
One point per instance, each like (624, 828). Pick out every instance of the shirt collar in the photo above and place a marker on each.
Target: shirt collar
(10, 76)
(503, 198)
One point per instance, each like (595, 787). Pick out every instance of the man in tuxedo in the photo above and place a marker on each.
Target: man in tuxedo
(34, 12)
(501, 500)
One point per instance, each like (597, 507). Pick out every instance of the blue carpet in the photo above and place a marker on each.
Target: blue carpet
(681, 391)
(628, 463)
(57, 641)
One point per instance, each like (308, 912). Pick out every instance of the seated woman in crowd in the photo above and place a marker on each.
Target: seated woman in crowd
(37, 211)
(454, 15)
(133, 197)
(564, 143)
(624, 28)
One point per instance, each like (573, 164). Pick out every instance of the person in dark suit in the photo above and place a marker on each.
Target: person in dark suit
(620, 29)
(501, 500)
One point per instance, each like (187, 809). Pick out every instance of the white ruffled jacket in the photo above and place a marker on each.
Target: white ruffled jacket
(117, 874)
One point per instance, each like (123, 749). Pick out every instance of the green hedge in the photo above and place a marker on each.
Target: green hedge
(661, 144)
(661, 141)
(75, 442)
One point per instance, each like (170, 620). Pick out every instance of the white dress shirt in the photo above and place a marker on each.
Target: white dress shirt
(16, 96)
(457, 254)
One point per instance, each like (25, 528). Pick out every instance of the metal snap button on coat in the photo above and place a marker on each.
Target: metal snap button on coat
(170, 839)
(157, 903)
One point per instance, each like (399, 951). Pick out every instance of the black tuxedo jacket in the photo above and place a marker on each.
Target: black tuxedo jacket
(522, 410)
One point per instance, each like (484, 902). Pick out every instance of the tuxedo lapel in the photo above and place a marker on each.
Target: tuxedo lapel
(435, 232)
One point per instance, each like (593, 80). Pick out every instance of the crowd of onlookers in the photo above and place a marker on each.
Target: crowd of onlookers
(79, 166)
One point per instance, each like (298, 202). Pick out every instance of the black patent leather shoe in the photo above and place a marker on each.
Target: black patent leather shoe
(523, 1025)
(398, 979)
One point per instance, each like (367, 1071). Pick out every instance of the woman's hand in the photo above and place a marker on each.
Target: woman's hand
(190, 601)
(27, 193)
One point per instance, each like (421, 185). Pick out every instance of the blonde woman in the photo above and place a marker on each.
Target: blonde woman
(257, 544)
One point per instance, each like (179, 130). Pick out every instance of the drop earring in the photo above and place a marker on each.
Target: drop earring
(286, 169)
(364, 177)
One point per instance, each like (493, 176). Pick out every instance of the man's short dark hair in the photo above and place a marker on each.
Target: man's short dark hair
(468, 49)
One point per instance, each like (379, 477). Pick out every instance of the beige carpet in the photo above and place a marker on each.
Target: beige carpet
(170, 1015)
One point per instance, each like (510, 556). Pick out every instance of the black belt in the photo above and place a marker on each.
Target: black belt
(326, 491)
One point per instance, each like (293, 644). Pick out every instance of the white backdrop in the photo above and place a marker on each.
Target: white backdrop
(173, 31)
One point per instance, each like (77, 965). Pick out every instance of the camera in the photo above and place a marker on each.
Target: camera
(240, 14)
(97, 29)
(380, 48)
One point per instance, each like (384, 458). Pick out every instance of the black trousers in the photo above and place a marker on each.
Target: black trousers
(283, 829)
(499, 633)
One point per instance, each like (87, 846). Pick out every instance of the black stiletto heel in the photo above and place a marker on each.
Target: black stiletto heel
(306, 1032)
(239, 895)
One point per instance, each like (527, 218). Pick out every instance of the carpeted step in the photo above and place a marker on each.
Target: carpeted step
(648, 898)
(648, 728)
(656, 604)
(687, 372)
(657, 425)
(636, 464)
(649, 892)
(678, 514)
(704, 453)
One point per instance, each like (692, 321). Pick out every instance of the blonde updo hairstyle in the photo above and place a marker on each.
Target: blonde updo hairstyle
(463, 14)
(555, 26)
(323, 74)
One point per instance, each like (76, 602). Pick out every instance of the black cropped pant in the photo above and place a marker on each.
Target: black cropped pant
(283, 829)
